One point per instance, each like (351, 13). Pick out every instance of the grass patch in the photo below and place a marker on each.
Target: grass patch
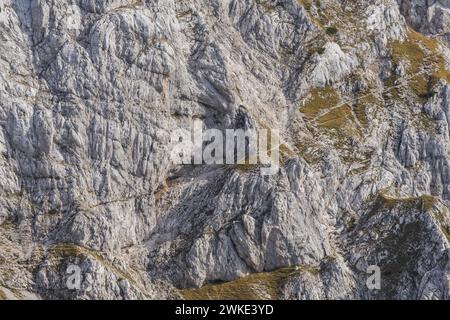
(320, 99)
(424, 202)
(2, 295)
(340, 126)
(425, 63)
(68, 250)
(336, 119)
(392, 91)
(307, 4)
(414, 53)
(444, 223)
(360, 107)
(361, 114)
(410, 50)
(333, 118)
(17, 293)
(258, 286)
(446, 232)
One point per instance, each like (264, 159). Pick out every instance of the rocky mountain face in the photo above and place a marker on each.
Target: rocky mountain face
(91, 92)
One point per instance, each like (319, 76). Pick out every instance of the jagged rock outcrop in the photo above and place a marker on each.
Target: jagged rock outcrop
(428, 16)
(91, 93)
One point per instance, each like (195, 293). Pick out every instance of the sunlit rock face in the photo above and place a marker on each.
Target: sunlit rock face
(94, 207)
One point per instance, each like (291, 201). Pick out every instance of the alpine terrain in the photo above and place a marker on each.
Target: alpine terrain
(93, 205)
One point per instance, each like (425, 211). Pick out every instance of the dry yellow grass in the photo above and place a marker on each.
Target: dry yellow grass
(337, 118)
(258, 286)
(426, 64)
(326, 110)
(360, 107)
(444, 222)
(424, 202)
(306, 4)
(320, 99)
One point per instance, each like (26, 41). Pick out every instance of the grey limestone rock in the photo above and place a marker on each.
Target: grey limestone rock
(92, 91)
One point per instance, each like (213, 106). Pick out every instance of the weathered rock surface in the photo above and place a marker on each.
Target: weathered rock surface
(91, 92)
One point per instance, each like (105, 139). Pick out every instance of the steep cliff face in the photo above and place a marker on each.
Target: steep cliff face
(428, 16)
(91, 92)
